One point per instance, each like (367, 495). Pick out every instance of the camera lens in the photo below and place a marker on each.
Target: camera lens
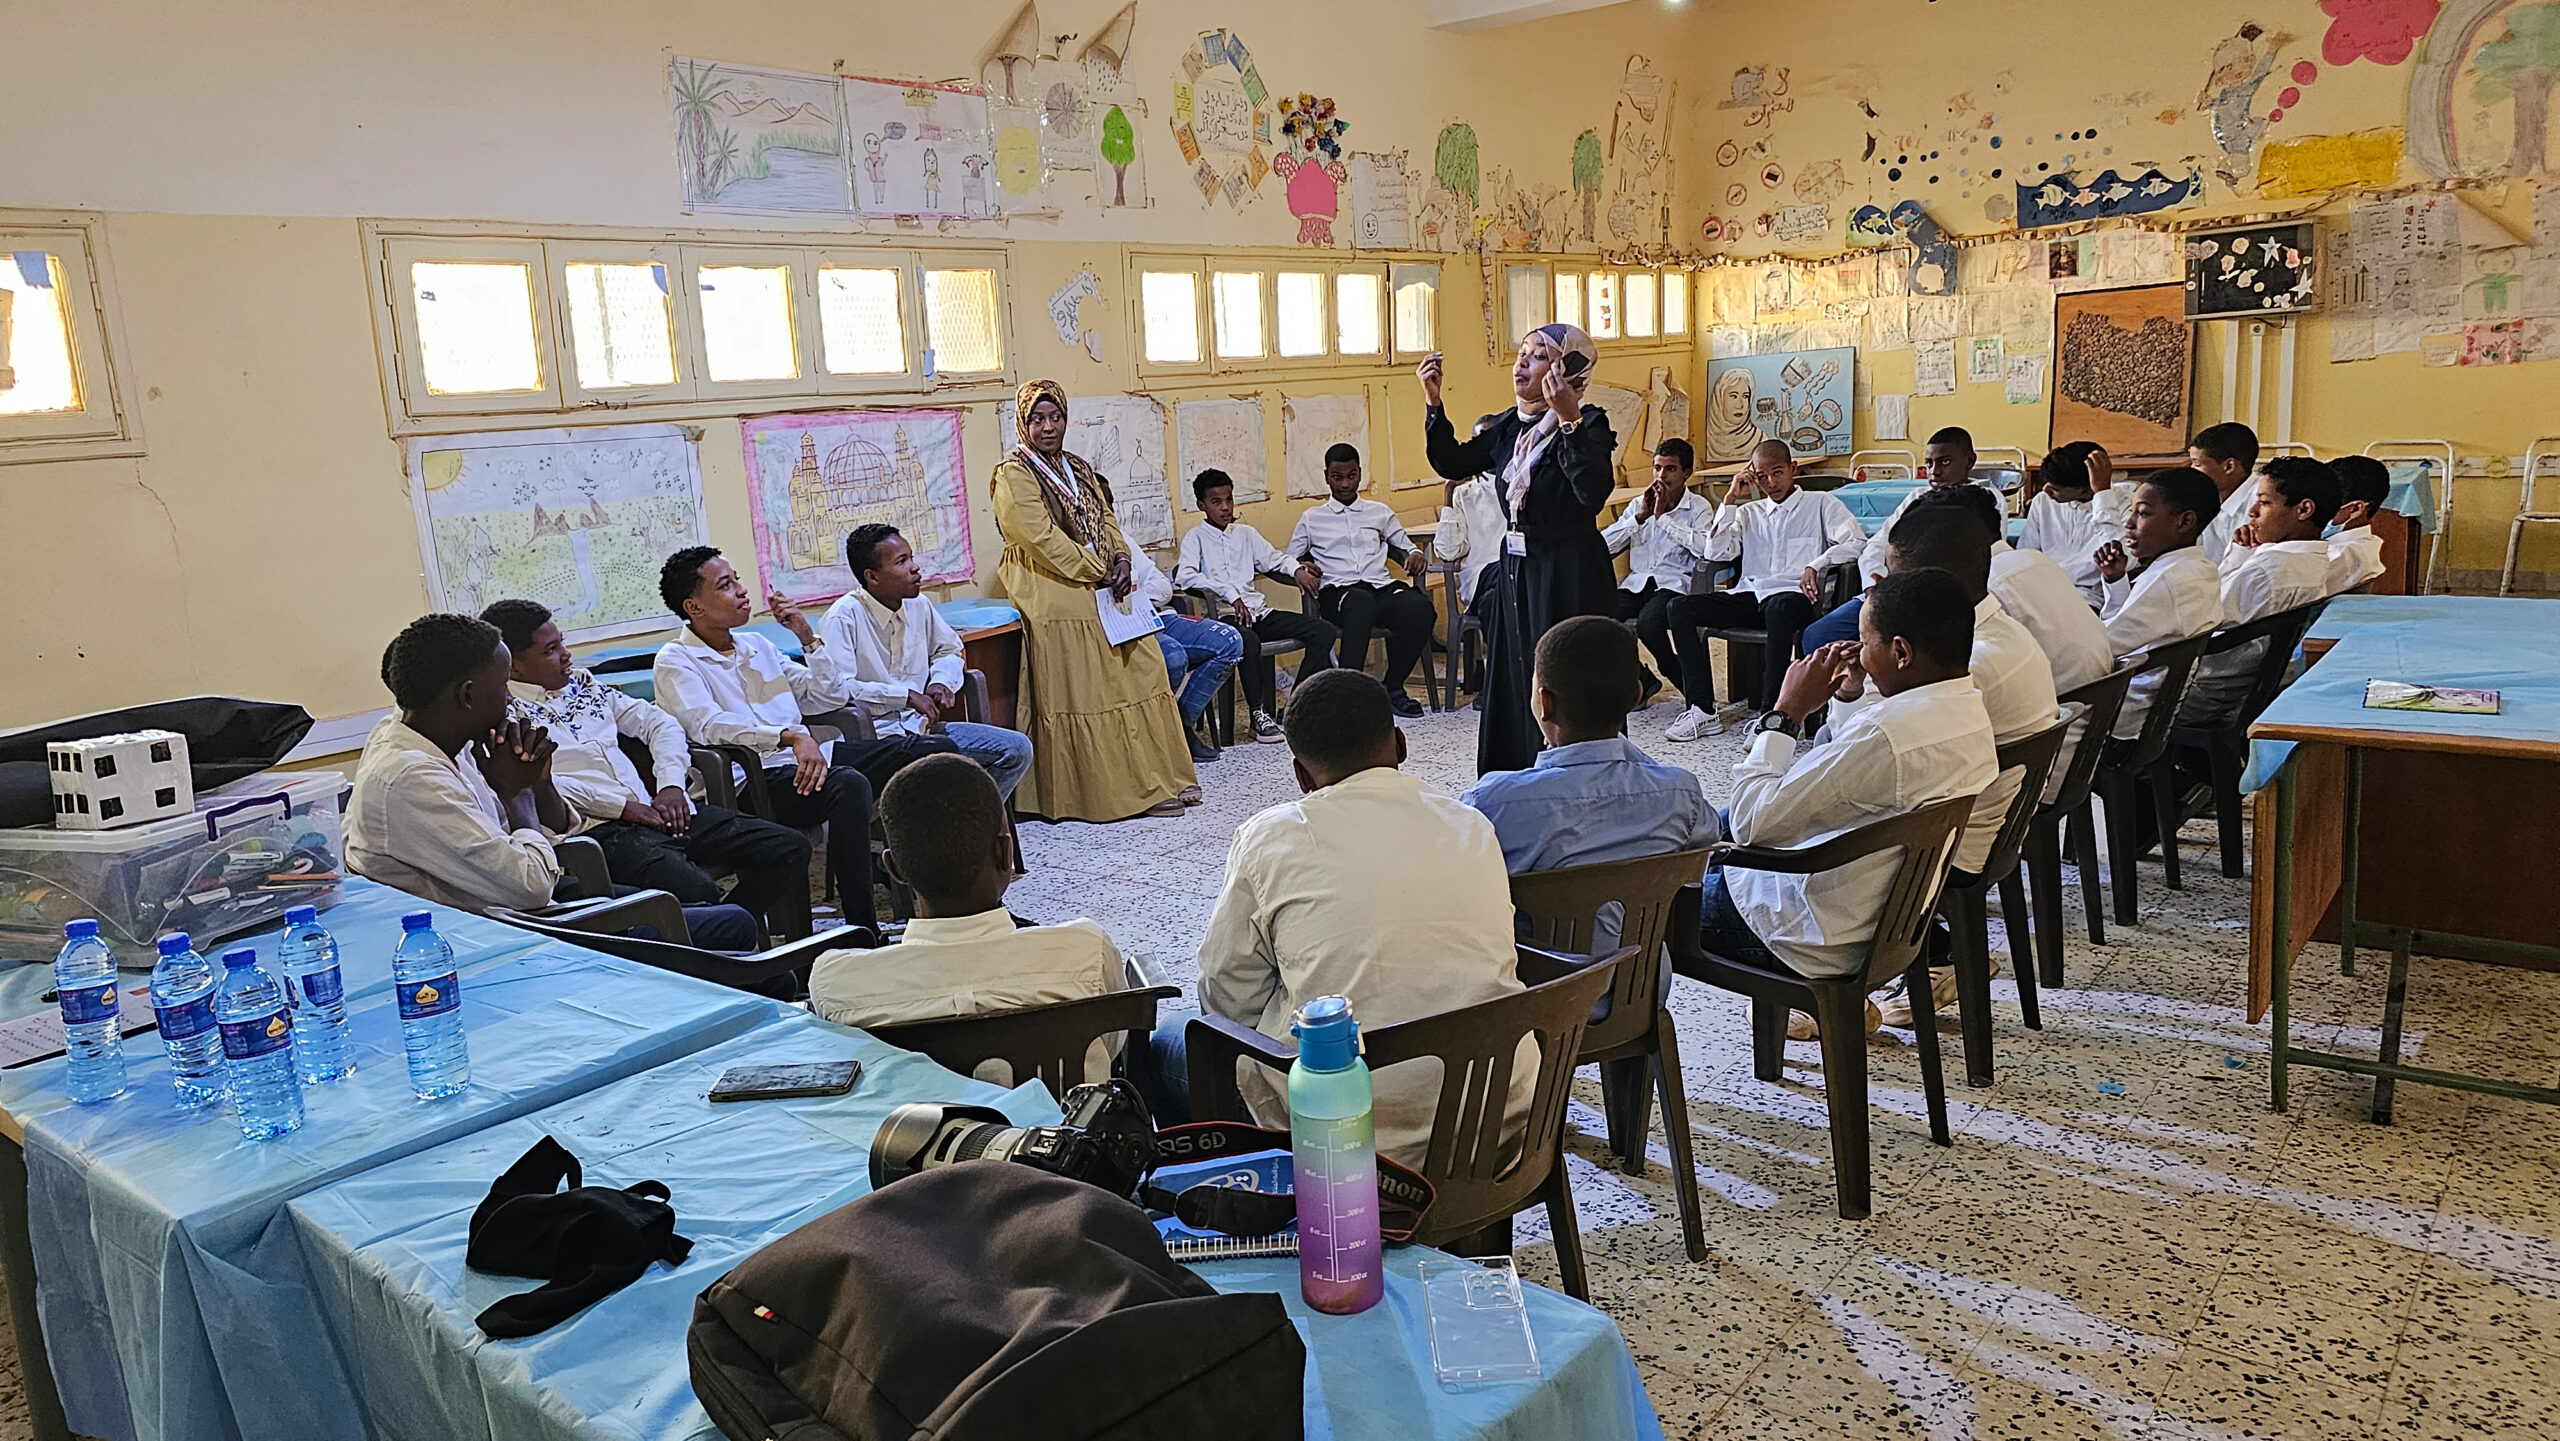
(925, 1134)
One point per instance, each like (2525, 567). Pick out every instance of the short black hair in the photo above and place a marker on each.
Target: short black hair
(2228, 441)
(2187, 489)
(2299, 478)
(1952, 435)
(516, 620)
(2067, 465)
(1338, 718)
(1340, 451)
(1976, 501)
(1784, 450)
(1928, 608)
(1588, 663)
(1678, 450)
(2361, 477)
(862, 548)
(1941, 537)
(681, 576)
(942, 816)
(432, 653)
(1207, 481)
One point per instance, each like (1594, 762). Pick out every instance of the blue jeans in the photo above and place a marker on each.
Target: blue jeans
(1161, 1071)
(1841, 624)
(1005, 754)
(1203, 650)
(1723, 932)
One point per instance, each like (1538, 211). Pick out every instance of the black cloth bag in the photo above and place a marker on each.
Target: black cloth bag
(584, 1243)
(226, 740)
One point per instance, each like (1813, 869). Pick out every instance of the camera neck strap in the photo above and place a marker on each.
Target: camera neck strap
(1404, 1197)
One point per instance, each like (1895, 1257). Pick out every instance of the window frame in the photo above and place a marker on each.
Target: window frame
(1266, 337)
(1203, 341)
(1326, 335)
(1516, 324)
(1331, 266)
(402, 254)
(105, 424)
(920, 334)
(910, 323)
(1396, 350)
(573, 393)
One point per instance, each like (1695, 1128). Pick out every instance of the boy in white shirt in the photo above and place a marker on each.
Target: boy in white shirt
(2355, 552)
(905, 658)
(1220, 558)
(1346, 543)
(1471, 529)
(2064, 520)
(2277, 562)
(2227, 455)
(1785, 540)
(2160, 588)
(1947, 464)
(1663, 533)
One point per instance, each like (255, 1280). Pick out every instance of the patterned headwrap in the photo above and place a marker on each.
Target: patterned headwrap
(1576, 355)
(1576, 352)
(1035, 390)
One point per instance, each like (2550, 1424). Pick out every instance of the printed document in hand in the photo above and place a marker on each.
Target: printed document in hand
(1125, 620)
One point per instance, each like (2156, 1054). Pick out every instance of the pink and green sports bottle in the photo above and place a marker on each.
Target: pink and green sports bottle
(1334, 1148)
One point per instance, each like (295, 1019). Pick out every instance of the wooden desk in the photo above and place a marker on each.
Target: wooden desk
(997, 651)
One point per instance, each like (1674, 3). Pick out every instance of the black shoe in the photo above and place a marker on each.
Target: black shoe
(1202, 748)
(1652, 688)
(1404, 705)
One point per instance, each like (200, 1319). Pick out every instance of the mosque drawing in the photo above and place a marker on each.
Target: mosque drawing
(857, 483)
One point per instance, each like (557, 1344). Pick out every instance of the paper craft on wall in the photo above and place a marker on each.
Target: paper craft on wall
(1666, 415)
(1310, 161)
(1312, 424)
(911, 144)
(1801, 398)
(812, 478)
(1639, 158)
(1022, 42)
(1122, 438)
(2067, 199)
(1626, 411)
(578, 520)
(2025, 380)
(1221, 435)
(2255, 270)
(1066, 312)
(1021, 172)
(2324, 164)
(2121, 362)
(1119, 162)
(1933, 367)
(1983, 362)
(758, 142)
(1221, 120)
(1381, 199)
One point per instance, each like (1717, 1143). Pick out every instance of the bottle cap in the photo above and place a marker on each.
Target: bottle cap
(79, 930)
(175, 943)
(301, 915)
(1328, 1034)
(418, 921)
(239, 957)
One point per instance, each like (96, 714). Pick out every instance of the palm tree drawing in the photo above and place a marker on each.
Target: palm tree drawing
(1586, 180)
(706, 150)
(2523, 64)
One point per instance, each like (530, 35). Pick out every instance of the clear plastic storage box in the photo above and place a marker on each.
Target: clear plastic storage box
(250, 850)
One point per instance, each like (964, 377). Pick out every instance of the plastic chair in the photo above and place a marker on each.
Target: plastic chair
(2223, 743)
(1222, 723)
(779, 971)
(1965, 904)
(1478, 1176)
(1630, 1037)
(1743, 644)
(1926, 838)
(1051, 1041)
(789, 915)
(2100, 701)
(2526, 514)
(2137, 761)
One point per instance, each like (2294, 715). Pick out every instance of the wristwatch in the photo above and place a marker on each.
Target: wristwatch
(1781, 722)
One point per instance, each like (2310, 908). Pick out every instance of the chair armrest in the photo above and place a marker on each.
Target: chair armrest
(1211, 1046)
(828, 727)
(715, 762)
(1537, 967)
(621, 915)
(974, 705)
(1188, 603)
(806, 950)
(584, 860)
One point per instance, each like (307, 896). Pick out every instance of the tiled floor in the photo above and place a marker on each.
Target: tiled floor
(2124, 1242)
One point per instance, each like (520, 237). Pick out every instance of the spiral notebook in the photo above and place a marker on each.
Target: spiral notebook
(2450, 700)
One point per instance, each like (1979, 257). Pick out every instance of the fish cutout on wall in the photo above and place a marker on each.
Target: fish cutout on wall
(2068, 199)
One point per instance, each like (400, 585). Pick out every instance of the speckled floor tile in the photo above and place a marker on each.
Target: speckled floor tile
(2451, 1386)
(2210, 1393)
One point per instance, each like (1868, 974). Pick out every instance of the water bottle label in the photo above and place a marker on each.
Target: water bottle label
(421, 999)
(194, 1018)
(257, 1036)
(84, 1004)
(323, 988)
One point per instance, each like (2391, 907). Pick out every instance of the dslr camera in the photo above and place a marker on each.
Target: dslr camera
(1106, 1140)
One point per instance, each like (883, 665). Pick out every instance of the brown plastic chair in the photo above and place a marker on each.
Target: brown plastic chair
(2223, 742)
(2101, 700)
(779, 971)
(1049, 1041)
(1630, 1036)
(1478, 1178)
(1926, 838)
(1968, 914)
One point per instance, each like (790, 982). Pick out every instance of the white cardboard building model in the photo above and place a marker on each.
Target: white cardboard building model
(109, 781)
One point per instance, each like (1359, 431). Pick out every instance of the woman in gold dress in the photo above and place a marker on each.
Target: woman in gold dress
(1106, 740)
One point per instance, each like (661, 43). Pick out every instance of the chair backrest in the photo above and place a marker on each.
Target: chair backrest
(2282, 632)
(2100, 700)
(1560, 911)
(2036, 754)
(744, 973)
(1927, 839)
(1477, 1174)
(2176, 663)
(1048, 1041)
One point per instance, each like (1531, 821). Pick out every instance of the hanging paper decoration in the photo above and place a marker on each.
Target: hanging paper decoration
(1311, 164)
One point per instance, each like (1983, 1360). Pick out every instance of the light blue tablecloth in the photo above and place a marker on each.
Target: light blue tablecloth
(2413, 492)
(174, 1298)
(1874, 501)
(388, 1249)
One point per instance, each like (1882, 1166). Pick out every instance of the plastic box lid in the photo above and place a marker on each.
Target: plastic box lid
(224, 808)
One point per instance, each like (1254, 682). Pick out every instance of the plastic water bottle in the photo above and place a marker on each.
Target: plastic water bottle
(256, 1019)
(1334, 1149)
(182, 999)
(430, 996)
(85, 977)
(308, 956)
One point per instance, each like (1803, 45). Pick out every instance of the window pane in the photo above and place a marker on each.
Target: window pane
(1601, 295)
(1170, 303)
(1675, 302)
(1639, 302)
(961, 323)
(1569, 297)
(1530, 298)
(1235, 310)
(859, 322)
(746, 322)
(1358, 300)
(1417, 296)
(475, 326)
(1298, 302)
(621, 326)
(36, 370)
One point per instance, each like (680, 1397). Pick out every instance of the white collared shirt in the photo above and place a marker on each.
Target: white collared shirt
(1905, 751)
(1871, 557)
(1665, 549)
(971, 966)
(749, 696)
(2033, 589)
(427, 823)
(1378, 888)
(2257, 582)
(1776, 543)
(1350, 543)
(1471, 529)
(1224, 563)
(2177, 596)
(1150, 583)
(587, 721)
(890, 654)
(2226, 522)
(2071, 531)
(2355, 556)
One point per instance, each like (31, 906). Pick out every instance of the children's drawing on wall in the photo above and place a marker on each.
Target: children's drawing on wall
(1381, 199)
(2240, 67)
(914, 137)
(1639, 154)
(1588, 176)
(2382, 31)
(812, 478)
(758, 141)
(1220, 119)
(1449, 210)
(1932, 269)
(1122, 438)
(1311, 164)
(1015, 48)
(1759, 90)
(2480, 93)
(1115, 146)
(1066, 313)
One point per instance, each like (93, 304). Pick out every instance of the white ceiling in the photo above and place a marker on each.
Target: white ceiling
(1465, 16)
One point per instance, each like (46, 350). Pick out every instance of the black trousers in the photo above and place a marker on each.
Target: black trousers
(1311, 631)
(1783, 616)
(843, 805)
(1650, 609)
(882, 758)
(1359, 609)
(764, 855)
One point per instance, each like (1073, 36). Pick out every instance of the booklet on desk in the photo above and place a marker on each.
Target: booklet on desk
(2402, 695)
(38, 1037)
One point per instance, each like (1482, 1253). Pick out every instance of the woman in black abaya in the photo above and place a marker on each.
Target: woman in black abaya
(1554, 463)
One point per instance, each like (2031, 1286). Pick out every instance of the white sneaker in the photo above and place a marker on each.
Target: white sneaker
(1694, 724)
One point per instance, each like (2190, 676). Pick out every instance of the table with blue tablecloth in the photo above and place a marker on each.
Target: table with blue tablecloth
(1873, 502)
(388, 1248)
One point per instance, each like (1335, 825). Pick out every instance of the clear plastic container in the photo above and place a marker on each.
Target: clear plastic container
(1479, 1320)
(257, 1047)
